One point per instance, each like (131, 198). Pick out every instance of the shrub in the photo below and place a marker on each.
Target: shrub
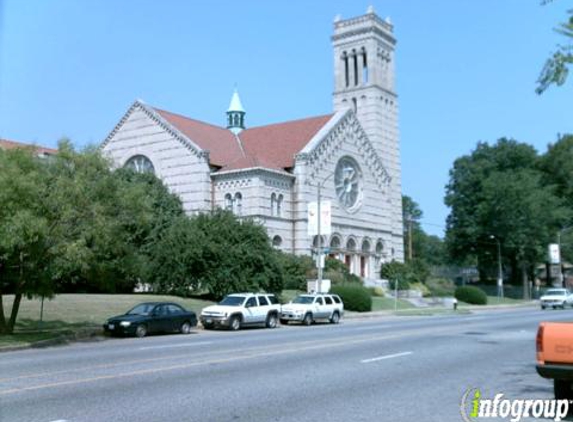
(471, 294)
(421, 288)
(355, 297)
(403, 284)
(377, 291)
(441, 287)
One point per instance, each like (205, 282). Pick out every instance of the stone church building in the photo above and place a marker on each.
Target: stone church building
(270, 173)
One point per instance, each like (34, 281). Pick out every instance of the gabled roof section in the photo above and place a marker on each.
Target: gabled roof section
(272, 147)
(221, 143)
(7, 144)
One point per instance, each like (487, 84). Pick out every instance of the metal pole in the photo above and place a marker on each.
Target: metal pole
(319, 249)
(561, 276)
(499, 271)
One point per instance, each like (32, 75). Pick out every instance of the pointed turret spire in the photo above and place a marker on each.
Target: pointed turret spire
(235, 114)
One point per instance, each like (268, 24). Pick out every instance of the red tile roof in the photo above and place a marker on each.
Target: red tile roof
(6, 144)
(272, 146)
(275, 146)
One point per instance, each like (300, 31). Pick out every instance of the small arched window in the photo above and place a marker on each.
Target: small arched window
(280, 206)
(238, 204)
(366, 246)
(277, 241)
(273, 203)
(228, 202)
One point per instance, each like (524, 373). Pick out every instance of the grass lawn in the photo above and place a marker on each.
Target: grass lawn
(387, 304)
(69, 314)
(494, 300)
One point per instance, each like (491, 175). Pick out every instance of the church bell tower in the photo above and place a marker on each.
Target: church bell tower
(364, 80)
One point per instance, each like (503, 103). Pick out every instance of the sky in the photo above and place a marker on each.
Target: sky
(465, 70)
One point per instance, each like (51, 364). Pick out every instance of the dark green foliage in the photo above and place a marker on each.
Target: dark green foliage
(500, 190)
(215, 252)
(71, 223)
(416, 271)
(471, 294)
(296, 269)
(556, 68)
(403, 284)
(355, 297)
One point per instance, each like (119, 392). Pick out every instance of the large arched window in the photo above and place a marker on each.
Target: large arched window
(366, 246)
(140, 164)
(238, 204)
(335, 243)
(379, 247)
(351, 244)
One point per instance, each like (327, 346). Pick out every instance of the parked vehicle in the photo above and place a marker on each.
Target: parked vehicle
(242, 309)
(555, 356)
(152, 317)
(556, 298)
(308, 308)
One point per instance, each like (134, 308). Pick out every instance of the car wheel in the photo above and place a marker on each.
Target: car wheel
(335, 318)
(271, 321)
(284, 321)
(235, 323)
(185, 328)
(562, 390)
(307, 320)
(542, 307)
(141, 331)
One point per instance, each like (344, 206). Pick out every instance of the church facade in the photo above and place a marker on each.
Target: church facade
(271, 173)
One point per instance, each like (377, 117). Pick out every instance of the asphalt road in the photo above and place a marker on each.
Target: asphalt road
(379, 369)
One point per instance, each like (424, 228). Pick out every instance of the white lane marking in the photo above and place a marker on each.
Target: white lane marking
(171, 346)
(397, 355)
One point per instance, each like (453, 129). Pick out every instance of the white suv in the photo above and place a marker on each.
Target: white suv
(242, 309)
(308, 308)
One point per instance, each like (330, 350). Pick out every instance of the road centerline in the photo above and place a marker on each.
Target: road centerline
(379, 358)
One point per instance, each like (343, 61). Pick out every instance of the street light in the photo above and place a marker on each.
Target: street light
(561, 276)
(319, 234)
(499, 272)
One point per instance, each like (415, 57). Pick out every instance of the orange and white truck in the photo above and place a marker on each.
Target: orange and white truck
(555, 356)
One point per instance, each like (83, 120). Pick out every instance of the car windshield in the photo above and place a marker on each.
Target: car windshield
(143, 309)
(232, 301)
(555, 292)
(303, 299)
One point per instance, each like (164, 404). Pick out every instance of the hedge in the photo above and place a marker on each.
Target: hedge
(471, 294)
(355, 297)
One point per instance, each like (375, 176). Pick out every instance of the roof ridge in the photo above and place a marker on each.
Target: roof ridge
(188, 118)
(322, 116)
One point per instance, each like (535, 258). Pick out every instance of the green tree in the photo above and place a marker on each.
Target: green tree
(24, 231)
(418, 245)
(70, 222)
(499, 190)
(556, 68)
(557, 167)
